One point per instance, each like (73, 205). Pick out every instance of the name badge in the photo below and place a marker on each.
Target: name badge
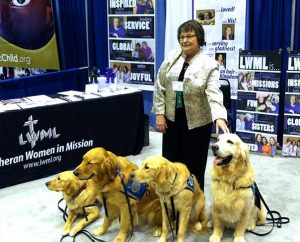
(177, 86)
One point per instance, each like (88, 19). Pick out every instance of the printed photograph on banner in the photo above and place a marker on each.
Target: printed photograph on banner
(293, 82)
(292, 103)
(245, 81)
(221, 59)
(267, 102)
(27, 31)
(206, 16)
(131, 7)
(116, 28)
(256, 122)
(122, 71)
(228, 31)
(37, 28)
(258, 101)
(291, 145)
(291, 125)
(143, 50)
(260, 142)
(244, 121)
(11, 72)
(142, 74)
(224, 26)
(144, 7)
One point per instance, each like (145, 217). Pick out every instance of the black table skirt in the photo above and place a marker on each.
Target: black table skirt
(42, 141)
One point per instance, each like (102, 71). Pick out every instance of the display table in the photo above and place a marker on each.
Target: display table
(42, 141)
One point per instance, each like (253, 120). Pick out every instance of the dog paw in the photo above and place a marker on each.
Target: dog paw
(162, 240)
(120, 239)
(239, 239)
(251, 227)
(198, 226)
(64, 233)
(99, 231)
(214, 238)
(73, 232)
(210, 224)
(156, 232)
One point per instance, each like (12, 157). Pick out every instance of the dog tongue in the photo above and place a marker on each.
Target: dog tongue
(217, 160)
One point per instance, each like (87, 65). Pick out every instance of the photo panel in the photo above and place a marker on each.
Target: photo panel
(131, 27)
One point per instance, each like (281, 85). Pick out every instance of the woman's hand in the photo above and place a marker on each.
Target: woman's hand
(221, 124)
(161, 123)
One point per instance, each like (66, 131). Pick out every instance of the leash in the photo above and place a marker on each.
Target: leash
(64, 211)
(96, 204)
(86, 233)
(279, 220)
(175, 216)
(129, 206)
(169, 220)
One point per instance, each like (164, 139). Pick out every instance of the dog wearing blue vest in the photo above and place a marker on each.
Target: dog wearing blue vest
(181, 197)
(234, 201)
(121, 198)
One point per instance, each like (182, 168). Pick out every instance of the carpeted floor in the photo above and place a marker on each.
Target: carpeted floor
(28, 211)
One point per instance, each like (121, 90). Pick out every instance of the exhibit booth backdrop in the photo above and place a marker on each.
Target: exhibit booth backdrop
(271, 17)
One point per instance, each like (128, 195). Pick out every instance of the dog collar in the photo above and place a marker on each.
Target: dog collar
(118, 171)
(174, 179)
(190, 183)
(234, 187)
(255, 194)
(79, 191)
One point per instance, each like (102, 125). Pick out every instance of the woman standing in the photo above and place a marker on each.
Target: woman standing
(187, 101)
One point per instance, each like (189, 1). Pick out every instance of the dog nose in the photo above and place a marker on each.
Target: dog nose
(76, 173)
(215, 147)
(47, 183)
(132, 174)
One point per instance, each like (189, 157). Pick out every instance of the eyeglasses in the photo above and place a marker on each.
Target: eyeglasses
(188, 37)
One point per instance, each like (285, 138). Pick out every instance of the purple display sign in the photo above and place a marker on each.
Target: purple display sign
(258, 100)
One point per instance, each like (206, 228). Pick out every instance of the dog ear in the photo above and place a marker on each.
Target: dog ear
(107, 168)
(244, 152)
(165, 174)
(161, 176)
(171, 176)
(113, 162)
(71, 187)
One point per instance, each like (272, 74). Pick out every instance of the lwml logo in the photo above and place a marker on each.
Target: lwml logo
(32, 136)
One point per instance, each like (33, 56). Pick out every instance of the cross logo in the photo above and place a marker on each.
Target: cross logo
(32, 136)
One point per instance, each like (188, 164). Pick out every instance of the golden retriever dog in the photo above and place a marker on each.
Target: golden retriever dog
(170, 181)
(233, 200)
(106, 170)
(77, 194)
